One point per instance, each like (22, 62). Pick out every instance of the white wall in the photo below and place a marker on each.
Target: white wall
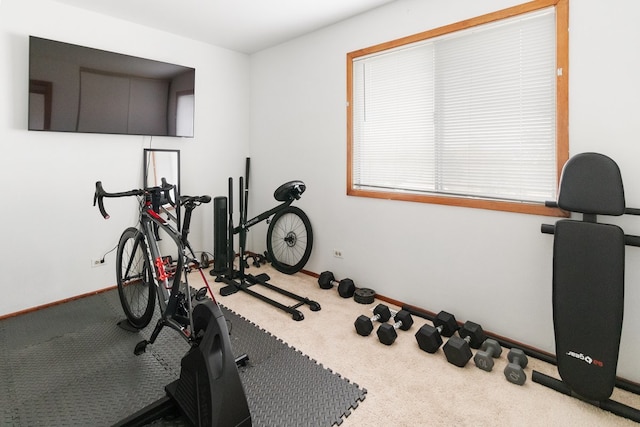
(50, 228)
(490, 267)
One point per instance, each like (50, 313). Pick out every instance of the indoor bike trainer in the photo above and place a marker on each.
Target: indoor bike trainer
(289, 229)
(209, 391)
(588, 282)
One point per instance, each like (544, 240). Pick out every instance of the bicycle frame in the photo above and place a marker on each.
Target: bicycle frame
(168, 293)
(263, 216)
(167, 282)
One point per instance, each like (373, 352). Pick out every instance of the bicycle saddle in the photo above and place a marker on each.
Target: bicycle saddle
(194, 199)
(289, 191)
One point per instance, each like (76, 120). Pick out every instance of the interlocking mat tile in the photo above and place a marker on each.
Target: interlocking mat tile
(70, 364)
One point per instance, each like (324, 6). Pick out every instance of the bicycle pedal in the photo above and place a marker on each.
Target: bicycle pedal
(141, 347)
(242, 360)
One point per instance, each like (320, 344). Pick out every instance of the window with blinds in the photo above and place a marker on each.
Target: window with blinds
(472, 114)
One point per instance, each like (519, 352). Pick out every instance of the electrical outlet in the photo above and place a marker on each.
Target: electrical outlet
(337, 253)
(98, 262)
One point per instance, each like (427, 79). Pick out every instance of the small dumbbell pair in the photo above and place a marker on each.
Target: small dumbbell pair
(386, 332)
(458, 349)
(346, 287)
(513, 372)
(364, 324)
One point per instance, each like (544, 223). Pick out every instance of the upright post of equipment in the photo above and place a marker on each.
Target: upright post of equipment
(246, 191)
(220, 250)
(230, 254)
(242, 231)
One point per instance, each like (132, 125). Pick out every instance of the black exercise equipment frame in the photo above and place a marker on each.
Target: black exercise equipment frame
(238, 280)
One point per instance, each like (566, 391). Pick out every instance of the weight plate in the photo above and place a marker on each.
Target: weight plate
(364, 295)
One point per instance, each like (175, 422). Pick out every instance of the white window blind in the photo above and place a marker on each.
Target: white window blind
(467, 114)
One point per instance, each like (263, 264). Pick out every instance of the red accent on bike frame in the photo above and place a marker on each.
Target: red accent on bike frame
(207, 285)
(162, 274)
(155, 215)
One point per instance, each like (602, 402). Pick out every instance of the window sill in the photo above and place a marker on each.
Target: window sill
(496, 205)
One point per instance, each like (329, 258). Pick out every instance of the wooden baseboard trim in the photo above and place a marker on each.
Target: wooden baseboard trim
(51, 304)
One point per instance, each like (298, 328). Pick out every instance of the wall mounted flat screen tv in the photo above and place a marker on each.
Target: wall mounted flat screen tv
(80, 89)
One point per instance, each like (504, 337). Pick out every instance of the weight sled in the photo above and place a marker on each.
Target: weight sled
(248, 280)
(238, 280)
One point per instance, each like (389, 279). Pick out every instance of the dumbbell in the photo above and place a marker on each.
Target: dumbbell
(458, 348)
(489, 350)
(430, 337)
(514, 371)
(387, 332)
(346, 287)
(364, 324)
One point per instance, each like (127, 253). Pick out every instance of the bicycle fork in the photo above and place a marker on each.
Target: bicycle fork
(168, 302)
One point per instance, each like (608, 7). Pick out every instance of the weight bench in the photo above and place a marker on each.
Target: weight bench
(588, 282)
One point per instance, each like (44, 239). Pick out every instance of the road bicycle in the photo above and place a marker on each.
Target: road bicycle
(209, 391)
(143, 274)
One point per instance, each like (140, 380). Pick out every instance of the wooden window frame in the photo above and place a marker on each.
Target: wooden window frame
(562, 107)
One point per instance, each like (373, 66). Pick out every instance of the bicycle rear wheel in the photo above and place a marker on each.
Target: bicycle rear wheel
(134, 277)
(289, 240)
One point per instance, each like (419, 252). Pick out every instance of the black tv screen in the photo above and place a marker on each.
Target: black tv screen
(80, 89)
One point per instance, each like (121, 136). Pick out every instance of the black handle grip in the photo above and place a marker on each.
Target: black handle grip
(547, 229)
(99, 197)
(100, 194)
(631, 240)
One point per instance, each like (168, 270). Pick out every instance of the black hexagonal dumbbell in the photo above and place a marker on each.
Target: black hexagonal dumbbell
(364, 324)
(346, 287)
(458, 348)
(387, 332)
(430, 337)
(514, 371)
(489, 350)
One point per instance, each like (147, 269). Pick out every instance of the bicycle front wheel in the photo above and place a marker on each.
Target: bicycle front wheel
(289, 240)
(135, 279)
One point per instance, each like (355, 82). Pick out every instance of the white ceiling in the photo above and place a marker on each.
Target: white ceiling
(242, 25)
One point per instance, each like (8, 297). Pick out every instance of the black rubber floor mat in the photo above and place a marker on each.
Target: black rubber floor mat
(71, 365)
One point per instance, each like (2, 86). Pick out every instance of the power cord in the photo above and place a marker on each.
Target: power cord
(107, 253)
